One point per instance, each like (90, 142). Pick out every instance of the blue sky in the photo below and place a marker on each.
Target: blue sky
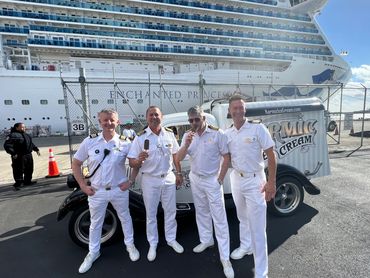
(347, 27)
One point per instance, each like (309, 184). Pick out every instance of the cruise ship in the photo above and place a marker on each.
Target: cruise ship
(225, 42)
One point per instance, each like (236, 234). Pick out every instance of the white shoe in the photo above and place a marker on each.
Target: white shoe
(228, 269)
(239, 253)
(88, 261)
(152, 253)
(202, 246)
(176, 246)
(133, 253)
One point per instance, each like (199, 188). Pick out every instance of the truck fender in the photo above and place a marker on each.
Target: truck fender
(287, 170)
(73, 201)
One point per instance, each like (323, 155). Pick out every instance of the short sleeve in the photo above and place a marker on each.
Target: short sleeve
(222, 143)
(135, 149)
(265, 139)
(176, 147)
(82, 152)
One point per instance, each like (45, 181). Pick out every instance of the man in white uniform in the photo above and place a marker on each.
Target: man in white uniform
(128, 131)
(153, 151)
(106, 155)
(206, 146)
(247, 141)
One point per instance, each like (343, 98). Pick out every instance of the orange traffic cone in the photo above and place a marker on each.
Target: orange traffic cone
(53, 166)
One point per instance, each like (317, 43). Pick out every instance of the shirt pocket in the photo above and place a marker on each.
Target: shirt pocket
(119, 156)
(251, 142)
(211, 150)
(95, 154)
(167, 147)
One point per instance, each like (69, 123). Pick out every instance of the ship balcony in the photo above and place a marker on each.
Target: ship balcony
(196, 4)
(158, 49)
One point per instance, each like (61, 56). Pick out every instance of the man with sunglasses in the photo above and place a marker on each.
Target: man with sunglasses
(106, 155)
(207, 147)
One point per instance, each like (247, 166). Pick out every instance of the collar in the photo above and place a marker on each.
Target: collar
(246, 125)
(101, 137)
(149, 132)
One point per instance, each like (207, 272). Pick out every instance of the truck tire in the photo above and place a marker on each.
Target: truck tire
(332, 125)
(288, 198)
(79, 225)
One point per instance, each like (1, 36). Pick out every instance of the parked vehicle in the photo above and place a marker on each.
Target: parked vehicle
(298, 128)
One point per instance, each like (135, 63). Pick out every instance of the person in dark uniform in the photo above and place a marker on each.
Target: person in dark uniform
(20, 146)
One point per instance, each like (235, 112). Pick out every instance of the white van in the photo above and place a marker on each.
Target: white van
(299, 131)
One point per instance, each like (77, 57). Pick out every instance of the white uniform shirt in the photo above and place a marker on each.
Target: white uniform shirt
(129, 133)
(205, 151)
(161, 149)
(246, 146)
(112, 171)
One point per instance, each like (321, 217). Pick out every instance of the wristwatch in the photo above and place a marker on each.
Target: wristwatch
(131, 182)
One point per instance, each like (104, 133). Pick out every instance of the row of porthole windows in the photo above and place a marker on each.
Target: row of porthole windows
(61, 101)
(44, 118)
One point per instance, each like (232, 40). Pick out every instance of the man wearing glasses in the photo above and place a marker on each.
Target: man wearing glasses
(206, 146)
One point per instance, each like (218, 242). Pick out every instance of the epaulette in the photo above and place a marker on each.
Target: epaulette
(168, 129)
(213, 127)
(94, 135)
(141, 132)
(124, 138)
(254, 121)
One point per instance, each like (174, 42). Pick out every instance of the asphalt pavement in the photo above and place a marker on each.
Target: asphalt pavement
(327, 237)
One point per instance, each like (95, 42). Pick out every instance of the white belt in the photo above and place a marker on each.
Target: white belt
(156, 175)
(203, 176)
(247, 174)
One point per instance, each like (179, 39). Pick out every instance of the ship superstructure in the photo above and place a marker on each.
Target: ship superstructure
(254, 41)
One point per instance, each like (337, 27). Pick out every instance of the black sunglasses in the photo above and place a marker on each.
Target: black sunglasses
(197, 120)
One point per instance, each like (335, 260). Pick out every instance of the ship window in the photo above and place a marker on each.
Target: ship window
(25, 119)
(94, 101)
(60, 101)
(25, 102)
(110, 101)
(8, 102)
(43, 101)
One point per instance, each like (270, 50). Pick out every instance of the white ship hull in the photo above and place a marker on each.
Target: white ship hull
(178, 93)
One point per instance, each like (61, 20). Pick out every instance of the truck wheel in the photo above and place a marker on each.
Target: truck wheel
(288, 198)
(79, 226)
(332, 125)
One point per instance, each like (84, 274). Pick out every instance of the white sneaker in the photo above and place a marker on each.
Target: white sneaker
(239, 253)
(133, 253)
(176, 246)
(88, 261)
(152, 253)
(228, 269)
(202, 246)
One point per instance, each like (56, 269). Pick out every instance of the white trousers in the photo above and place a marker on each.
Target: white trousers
(157, 189)
(251, 211)
(209, 205)
(98, 204)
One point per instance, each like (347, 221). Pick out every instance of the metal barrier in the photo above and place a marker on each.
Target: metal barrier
(85, 98)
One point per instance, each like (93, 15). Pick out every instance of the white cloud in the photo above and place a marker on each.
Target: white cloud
(353, 93)
(361, 75)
